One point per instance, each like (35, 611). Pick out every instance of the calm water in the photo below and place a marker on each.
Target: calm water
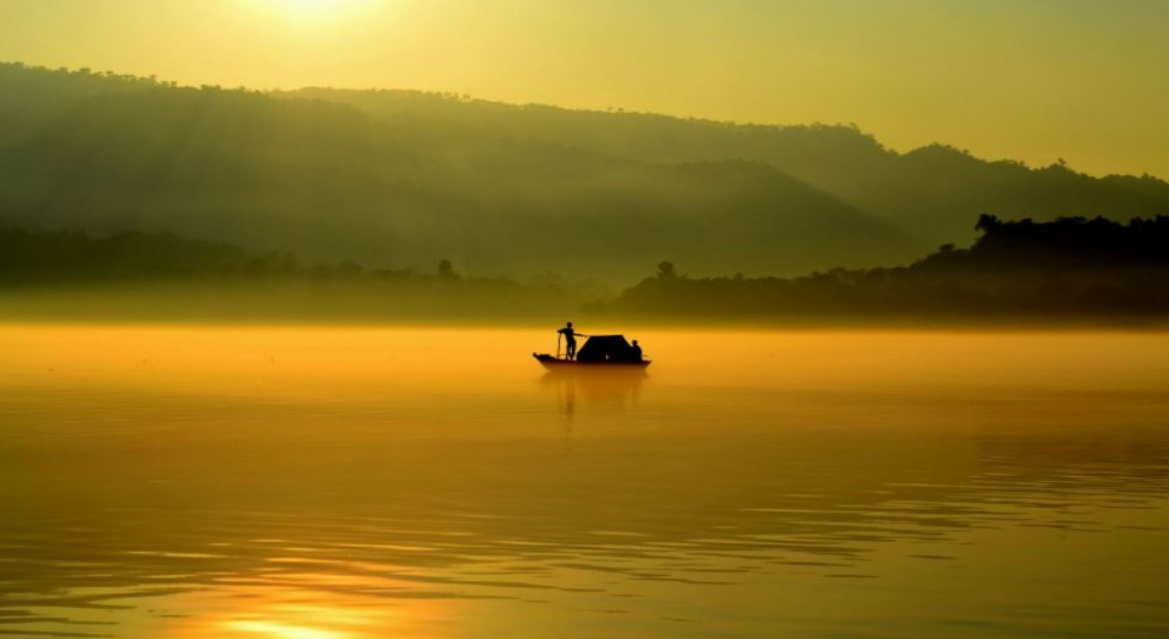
(352, 484)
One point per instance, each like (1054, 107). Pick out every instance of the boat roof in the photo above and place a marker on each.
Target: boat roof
(599, 348)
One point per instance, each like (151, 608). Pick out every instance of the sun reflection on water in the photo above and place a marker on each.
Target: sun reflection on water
(285, 631)
(264, 615)
(288, 621)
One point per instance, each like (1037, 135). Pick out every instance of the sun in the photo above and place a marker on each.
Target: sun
(316, 13)
(313, 7)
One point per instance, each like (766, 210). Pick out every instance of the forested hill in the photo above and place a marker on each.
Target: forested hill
(332, 182)
(1069, 267)
(933, 192)
(402, 179)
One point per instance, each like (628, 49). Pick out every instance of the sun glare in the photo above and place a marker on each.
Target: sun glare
(314, 9)
(312, 6)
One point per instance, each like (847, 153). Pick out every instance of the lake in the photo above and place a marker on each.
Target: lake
(351, 483)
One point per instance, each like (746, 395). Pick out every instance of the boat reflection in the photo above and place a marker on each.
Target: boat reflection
(603, 390)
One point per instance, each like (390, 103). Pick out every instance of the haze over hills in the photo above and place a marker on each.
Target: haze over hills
(933, 192)
(401, 179)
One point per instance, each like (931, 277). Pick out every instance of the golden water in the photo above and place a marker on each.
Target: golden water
(342, 483)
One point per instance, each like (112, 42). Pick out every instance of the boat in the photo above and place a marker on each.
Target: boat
(599, 352)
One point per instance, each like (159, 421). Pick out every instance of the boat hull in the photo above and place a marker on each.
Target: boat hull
(565, 365)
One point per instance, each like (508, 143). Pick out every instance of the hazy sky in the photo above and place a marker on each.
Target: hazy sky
(1034, 80)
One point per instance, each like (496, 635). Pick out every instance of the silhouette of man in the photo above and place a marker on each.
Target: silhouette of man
(636, 352)
(570, 340)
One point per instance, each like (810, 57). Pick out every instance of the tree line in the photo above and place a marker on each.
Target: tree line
(1072, 266)
(34, 258)
(1068, 266)
(138, 275)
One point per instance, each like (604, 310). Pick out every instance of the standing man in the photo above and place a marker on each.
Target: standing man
(570, 340)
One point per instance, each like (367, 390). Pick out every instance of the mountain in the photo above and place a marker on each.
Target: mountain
(932, 192)
(397, 179)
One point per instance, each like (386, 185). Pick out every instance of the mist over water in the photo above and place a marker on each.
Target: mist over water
(350, 483)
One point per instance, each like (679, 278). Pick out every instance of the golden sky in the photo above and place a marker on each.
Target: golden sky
(1033, 80)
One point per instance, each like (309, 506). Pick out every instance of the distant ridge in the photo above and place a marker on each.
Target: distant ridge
(932, 192)
(400, 179)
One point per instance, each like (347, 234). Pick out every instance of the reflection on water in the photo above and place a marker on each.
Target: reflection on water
(351, 483)
(612, 390)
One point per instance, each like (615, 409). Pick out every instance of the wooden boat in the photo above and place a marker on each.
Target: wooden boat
(553, 363)
(600, 352)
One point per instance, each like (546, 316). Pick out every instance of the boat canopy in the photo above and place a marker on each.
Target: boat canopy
(606, 348)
